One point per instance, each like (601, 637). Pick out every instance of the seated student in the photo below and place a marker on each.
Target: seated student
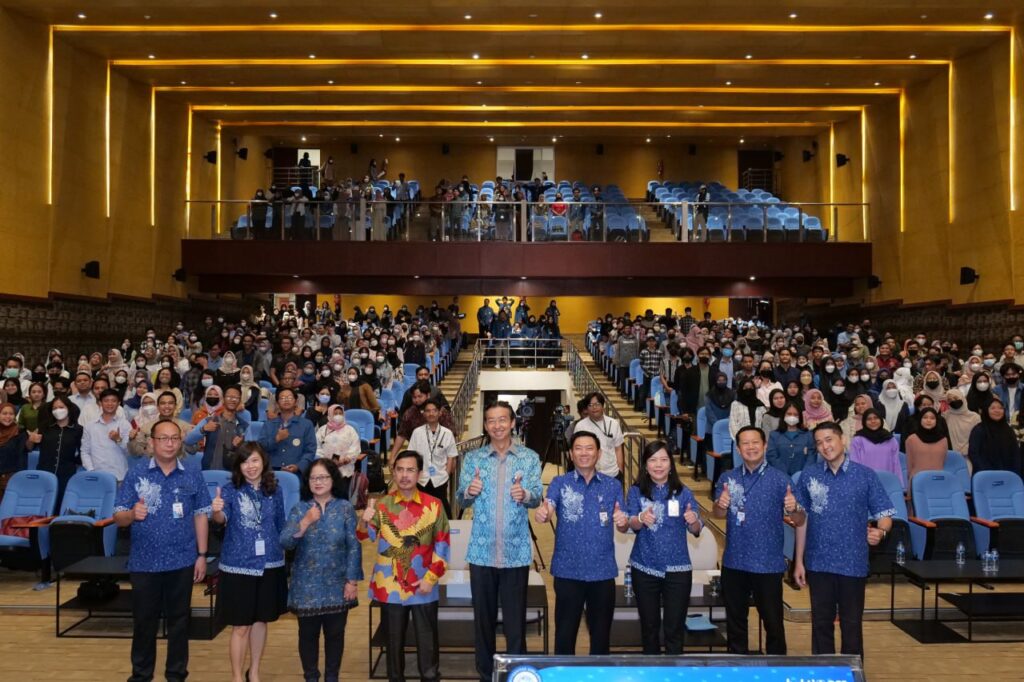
(747, 409)
(875, 447)
(718, 400)
(960, 421)
(928, 444)
(791, 445)
(853, 422)
(993, 445)
(816, 410)
(892, 406)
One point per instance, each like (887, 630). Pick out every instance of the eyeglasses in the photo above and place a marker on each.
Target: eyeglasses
(320, 479)
(167, 439)
(498, 420)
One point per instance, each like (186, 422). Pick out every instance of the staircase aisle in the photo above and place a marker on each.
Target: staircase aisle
(659, 231)
(451, 382)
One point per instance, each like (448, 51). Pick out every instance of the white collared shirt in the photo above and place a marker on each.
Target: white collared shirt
(100, 453)
(609, 433)
(436, 447)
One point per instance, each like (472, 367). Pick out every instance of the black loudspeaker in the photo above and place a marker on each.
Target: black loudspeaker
(445, 148)
(874, 282)
(808, 155)
(692, 149)
(599, 149)
(243, 153)
(968, 275)
(179, 275)
(842, 160)
(354, 148)
(92, 269)
(211, 156)
(268, 154)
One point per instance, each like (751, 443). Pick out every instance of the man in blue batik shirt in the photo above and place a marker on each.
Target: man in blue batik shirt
(832, 550)
(166, 505)
(584, 568)
(752, 499)
(499, 482)
(289, 438)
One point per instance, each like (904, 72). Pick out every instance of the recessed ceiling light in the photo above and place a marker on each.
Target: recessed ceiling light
(81, 15)
(578, 82)
(598, 15)
(479, 82)
(476, 56)
(398, 139)
(877, 83)
(828, 83)
(295, 276)
(988, 17)
(491, 139)
(749, 56)
(415, 276)
(648, 140)
(303, 138)
(381, 135)
(312, 56)
(728, 82)
(231, 82)
(752, 278)
(533, 16)
(146, 17)
(330, 82)
(793, 15)
(468, 17)
(533, 56)
(273, 15)
(484, 106)
(669, 136)
(554, 139)
(742, 140)
(152, 56)
(183, 82)
(924, 16)
(584, 56)
(913, 56)
(522, 277)
(700, 106)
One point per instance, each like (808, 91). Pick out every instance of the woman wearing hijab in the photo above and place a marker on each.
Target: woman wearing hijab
(339, 441)
(229, 373)
(904, 382)
(746, 410)
(115, 364)
(980, 395)
(250, 392)
(317, 410)
(854, 418)
(14, 444)
(356, 395)
(875, 447)
(773, 415)
(960, 421)
(213, 401)
(12, 393)
(838, 400)
(791, 445)
(816, 409)
(369, 376)
(935, 387)
(927, 446)
(133, 402)
(718, 401)
(142, 424)
(694, 339)
(795, 394)
(892, 405)
(993, 445)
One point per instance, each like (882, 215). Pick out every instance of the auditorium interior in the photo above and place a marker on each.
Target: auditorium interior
(778, 168)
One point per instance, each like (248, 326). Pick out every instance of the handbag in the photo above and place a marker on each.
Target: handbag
(7, 526)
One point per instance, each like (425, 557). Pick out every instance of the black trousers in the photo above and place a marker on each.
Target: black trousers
(333, 626)
(737, 586)
(833, 594)
(440, 492)
(424, 624)
(571, 596)
(168, 593)
(489, 587)
(671, 593)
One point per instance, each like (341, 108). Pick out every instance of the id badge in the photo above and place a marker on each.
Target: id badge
(741, 517)
(261, 547)
(604, 518)
(296, 442)
(673, 507)
(178, 510)
(432, 471)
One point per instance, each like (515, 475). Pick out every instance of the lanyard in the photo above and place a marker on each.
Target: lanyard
(433, 443)
(257, 506)
(605, 431)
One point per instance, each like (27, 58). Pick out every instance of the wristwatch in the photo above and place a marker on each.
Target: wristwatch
(202, 554)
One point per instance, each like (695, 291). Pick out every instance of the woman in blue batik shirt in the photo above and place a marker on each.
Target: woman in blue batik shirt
(253, 589)
(661, 510)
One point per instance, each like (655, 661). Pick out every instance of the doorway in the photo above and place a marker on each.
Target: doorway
(536, 418)
(524, 165)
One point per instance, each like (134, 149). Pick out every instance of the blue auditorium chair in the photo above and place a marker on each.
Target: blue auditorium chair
(940, 507)
(29, 493)
(84, 525)
(289, 483)
(999, 507)
(719, 456)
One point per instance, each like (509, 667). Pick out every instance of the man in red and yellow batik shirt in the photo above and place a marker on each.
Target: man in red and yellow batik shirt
(411, 532)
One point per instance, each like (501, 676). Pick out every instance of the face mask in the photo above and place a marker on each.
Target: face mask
(869, 365)
(892, 392)
(368, 371)
(977, 352)
(325, 373)
(352, 378)
(165, 365)
(830, 368)
(956, 404)
(207, 382)
(380, 359)
(356, 362)
(988, 362)
(213, 401)
(932, 384)
(792, 419)
(148, 411)
(908, 365)
(727, 352)
(338, 418)
(120, 379)
(871, 339)
(60, 413)
(1012, 381)
(703, 359)
(1018, 345)
(982, 386)
(854, 378)
(838, 390)
(974, 367)
(308, 371)
(338, 368)
(767, 373)
(364, 356)
(323, 399)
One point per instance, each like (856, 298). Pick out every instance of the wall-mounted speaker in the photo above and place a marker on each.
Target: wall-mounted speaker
(874, 282)
(354, 148)
(445, 148)
(599, 149)
(179, 275)
(968, 275)
(91, 269)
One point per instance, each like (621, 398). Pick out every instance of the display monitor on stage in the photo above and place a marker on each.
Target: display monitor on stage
(708, 668)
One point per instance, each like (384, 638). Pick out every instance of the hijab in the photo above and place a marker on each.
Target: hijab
(693, 339)
(816, 414)
(747, 396)
(141, 420)
(777, 412)
(247, 384)
(904, 382)
(17, 398)
(960, 421)
(978, 400)
(840, 404)
(937, 394)
(331, 412)
(8, 432)
(892, 406)
(372, 379)
(998, 449)
(876, 436)
(721, 396)
(229, 365)
(934, 434)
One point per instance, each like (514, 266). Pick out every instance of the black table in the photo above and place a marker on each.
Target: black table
(455, 635)
(999, 606)
(626, 633)
(203, 626)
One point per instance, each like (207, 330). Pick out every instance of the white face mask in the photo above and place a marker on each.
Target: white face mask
(120, 379)
(982, 385)
(60, 413)
(891, 392)
(148, 411)
(792, 419)
(207, 382)
(869, 365)
(838, 390)
(325, 373)
(338, 418)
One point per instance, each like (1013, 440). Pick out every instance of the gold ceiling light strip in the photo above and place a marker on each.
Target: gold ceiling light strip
(531, 28)
(517, 61)
(524, 124)
(531, 89)
(488, 108)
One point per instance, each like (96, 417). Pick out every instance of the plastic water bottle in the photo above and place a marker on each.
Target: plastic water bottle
(986, 562)
(901, 553)
(627, 584)
(995, 561)
(961, 554)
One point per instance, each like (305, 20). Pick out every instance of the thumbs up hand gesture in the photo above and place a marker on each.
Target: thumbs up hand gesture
(217, 504)
(647, 516)
(619, 518)
(476, 485)
(517, 492)
(789, 502)
(370, 511)
(690, 516)
(724, 499)
(141, 510)
(544, 511)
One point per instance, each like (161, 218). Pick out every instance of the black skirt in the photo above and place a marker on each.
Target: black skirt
(247, 599)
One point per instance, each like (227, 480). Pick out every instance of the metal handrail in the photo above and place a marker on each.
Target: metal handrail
(523, 351)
